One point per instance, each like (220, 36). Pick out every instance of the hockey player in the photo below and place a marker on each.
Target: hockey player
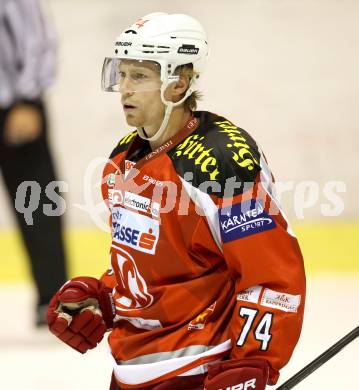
(206, 286)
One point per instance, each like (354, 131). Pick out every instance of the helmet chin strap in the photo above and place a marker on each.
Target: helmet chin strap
(169, 107)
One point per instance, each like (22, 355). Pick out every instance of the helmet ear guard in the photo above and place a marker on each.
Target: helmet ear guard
(169, 40)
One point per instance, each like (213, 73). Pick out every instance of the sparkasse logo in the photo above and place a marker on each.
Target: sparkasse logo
(134, 230)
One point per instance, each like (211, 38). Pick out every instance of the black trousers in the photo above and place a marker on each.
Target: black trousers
(43, 240)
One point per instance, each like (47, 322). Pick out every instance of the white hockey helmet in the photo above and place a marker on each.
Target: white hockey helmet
(170, 41)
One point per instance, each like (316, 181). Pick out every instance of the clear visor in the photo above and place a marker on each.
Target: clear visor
(123, 75)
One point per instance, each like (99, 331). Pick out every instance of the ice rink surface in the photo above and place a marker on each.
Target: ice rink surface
(34, 360)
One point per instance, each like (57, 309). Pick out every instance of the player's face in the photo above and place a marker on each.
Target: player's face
(140, 85)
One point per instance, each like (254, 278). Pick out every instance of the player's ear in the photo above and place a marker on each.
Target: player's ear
(176, 90)
(182, 84)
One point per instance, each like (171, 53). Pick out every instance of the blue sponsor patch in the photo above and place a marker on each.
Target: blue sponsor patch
(244, 219)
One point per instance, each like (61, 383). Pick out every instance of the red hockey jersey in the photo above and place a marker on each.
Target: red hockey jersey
(203, 262)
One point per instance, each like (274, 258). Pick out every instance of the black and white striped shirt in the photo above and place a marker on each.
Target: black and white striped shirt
(27, 51)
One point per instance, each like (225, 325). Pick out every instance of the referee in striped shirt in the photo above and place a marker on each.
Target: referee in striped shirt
(27, 64)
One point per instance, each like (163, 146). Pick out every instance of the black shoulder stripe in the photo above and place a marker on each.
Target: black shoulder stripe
(244, 150)
(124, 143)
(216, 152)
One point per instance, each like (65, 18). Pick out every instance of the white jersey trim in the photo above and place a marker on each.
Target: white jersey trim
(199, 369)
(269, 186)
(138, 374)
(210, 210)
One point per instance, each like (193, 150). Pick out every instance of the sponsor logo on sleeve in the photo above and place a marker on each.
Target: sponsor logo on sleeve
(281, 301)
(134, 230)
(200, 321)
(244, 219)
(250, 294)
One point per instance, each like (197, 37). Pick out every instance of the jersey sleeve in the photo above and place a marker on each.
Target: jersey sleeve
(266, 264)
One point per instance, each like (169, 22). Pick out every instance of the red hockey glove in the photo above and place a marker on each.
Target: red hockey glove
(241, 374)
(81, 312)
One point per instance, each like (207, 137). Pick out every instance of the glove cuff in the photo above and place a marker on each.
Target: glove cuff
(241, 374)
